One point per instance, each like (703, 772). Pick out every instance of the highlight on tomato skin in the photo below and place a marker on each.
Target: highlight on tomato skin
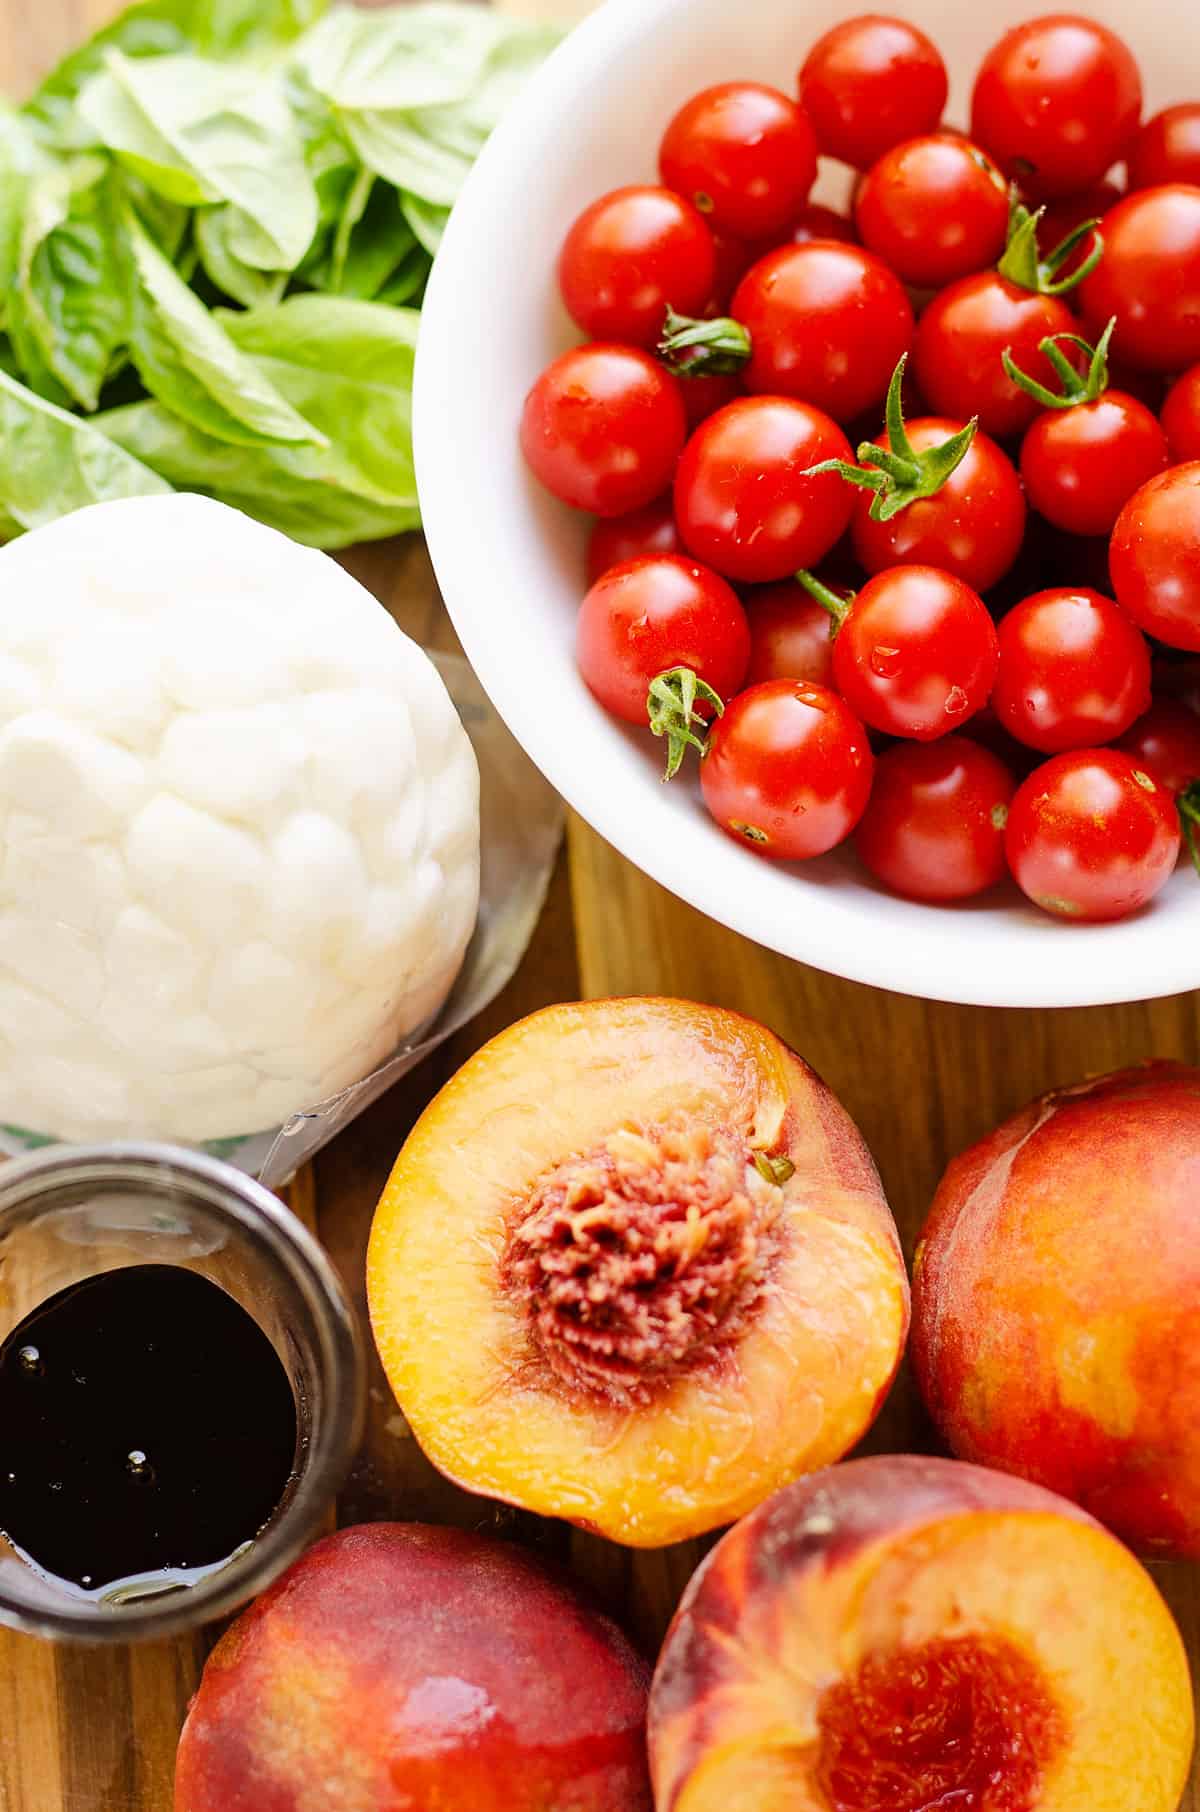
(903, 1619)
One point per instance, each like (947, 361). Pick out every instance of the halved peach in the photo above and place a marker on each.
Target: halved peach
(634, 1267)
(901, 1634)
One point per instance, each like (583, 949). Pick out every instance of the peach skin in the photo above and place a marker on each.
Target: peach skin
(917, 1635)
(1057, 1298)
(634, 1268)
(398, 1668)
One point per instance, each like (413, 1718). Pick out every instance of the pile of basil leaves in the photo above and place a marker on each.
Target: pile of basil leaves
(217, 219)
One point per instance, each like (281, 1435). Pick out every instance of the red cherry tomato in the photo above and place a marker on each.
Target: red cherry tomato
(819, 222)
(652, 614)
(733, 259)
(603, 428)
(1181, 416)
(935, 209)
(961, 338)
(745, 155)
(1167, 149)
(934, 829)
(916, 653)
(868, 84)
(1154, 557)
(629, 257)
(1166, 742)
(1149, 278)
(1082, 465)
(973, 527)
(646, 531)
(704, 395)
(827, 323)
(1092, 836)
(743, 500)
(1056, 102)
(1074, 671)
(791, 636)
(788, 770)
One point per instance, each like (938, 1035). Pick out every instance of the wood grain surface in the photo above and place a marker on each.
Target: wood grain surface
(95, 1731)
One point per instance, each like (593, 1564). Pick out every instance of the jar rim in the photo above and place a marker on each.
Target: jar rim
(28, 1186)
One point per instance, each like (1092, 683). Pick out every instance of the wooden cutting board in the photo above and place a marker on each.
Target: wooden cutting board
(95, 1731)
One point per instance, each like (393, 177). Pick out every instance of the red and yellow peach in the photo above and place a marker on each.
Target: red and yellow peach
(901, 1634)
(634, 1267)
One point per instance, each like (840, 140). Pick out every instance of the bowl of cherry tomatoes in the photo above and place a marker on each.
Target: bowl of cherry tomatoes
(807, 416)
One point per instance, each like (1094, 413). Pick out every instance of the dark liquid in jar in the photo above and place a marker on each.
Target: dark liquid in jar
(147, 1431)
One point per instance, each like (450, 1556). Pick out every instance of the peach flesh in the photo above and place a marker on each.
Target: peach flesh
(1057, 1296)
(901, 1634)
(398, 1668)
(646, 1296)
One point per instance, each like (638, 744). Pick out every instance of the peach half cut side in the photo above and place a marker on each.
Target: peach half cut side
(634, 1268)
(902, 1634)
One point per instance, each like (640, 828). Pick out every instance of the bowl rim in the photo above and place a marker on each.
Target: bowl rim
(1154, 968)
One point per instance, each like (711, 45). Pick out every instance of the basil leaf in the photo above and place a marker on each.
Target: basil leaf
(348, 367)
(52, 462)
(317, 497)
(161, 27)
(417, 89)
(239, 281)
(368, 253)
(201, 133)
(186, 359)
(71, 297)
(427, 221)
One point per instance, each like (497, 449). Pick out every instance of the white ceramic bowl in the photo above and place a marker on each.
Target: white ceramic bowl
(510, 560)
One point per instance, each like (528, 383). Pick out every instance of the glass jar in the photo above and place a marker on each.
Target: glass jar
(73, 1212)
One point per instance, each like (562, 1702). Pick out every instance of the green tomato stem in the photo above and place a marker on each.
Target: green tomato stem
(1022, 263)
(671, 709)
(1075, 389)
(1189, 818)
(897, 473)
(692, 348)
(829, 600)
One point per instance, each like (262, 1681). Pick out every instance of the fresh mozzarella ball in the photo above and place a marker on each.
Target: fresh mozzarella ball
(239, 826)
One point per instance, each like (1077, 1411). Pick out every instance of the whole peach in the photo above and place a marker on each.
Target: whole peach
(399, 1668)
(1057, 1301)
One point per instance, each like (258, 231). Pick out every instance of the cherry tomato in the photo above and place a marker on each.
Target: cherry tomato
(1154, 557)
(935, 209)
(868, 84)
(819, 222)
(788, 770)
(973, 527)
(1149, 278)
(934, 829)
(652, 614)
(1166, 742)
(915, 654)
(962, 336)
(1082, 465)
(1181, 416)
(704, 395)
(791, 636)
(1092, 836)
(1074, 671)
(743, 500)
(1056, 102)
(629, 257)
(650, 530)
(827, 324)
(603, 428)
(1167, 149)
(745, 155)
(733, 259)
